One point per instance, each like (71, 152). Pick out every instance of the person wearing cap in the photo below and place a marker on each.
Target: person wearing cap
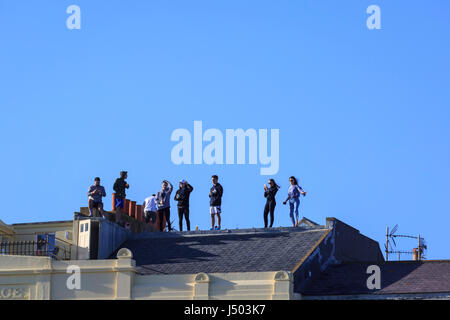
(95, 194)
(163, 203)
(119, 187)
(182, 196)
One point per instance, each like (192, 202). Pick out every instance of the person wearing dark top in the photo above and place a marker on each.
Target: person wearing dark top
(182, 196)
(95, 194)
(269, 194)
(119, 187)
(163, 204)
(215, 201)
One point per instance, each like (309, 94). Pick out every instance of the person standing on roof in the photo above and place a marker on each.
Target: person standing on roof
(95, 194)
(182, 196)
(150, 209)
(119, 187)
(215, 202)
(269, 194)
(163, 204)
(294, 193)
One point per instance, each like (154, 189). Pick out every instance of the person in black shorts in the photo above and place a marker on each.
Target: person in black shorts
(215, 202)
(95, 194)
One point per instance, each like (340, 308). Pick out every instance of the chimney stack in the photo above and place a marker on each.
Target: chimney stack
(113, 202)
(132, 209)
(139, 215)
(126, 206)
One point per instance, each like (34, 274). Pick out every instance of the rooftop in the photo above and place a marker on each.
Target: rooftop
(238, 250)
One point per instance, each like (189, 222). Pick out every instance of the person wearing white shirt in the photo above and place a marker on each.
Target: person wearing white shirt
(150, 209)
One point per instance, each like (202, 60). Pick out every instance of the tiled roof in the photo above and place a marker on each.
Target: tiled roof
(396, 278)
(248, 250)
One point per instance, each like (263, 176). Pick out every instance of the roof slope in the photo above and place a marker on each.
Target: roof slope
(5, 229)
(225, 251)
(396, 277)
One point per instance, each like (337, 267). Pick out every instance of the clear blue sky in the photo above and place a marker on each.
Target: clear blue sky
(363, 114)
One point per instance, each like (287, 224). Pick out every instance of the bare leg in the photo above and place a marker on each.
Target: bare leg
(212, 221)
(219, 220)
(91, 208)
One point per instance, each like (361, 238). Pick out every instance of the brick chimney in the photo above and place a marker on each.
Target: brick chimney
(132, 209)
(113, 202)
(126, 206)
(139, 215)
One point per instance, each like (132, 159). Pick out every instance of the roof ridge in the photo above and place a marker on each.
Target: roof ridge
(40, 222)
(203, 233)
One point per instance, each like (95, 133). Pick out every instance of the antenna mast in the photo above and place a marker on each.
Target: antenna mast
(418, 253)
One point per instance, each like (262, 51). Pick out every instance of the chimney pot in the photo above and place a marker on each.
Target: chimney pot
(113, 202)
(131, 209)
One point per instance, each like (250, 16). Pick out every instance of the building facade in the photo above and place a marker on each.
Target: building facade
(308, 262)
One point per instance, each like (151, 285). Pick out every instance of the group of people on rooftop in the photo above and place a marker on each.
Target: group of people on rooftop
(158, 204)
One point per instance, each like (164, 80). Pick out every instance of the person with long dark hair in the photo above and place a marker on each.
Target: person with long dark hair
(269, 194)
(215, 202)
(294, 193)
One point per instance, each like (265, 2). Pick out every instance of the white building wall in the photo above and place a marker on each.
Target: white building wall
(24, 277)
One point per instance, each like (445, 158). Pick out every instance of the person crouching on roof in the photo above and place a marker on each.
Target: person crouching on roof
(95, 193)
(150, 209)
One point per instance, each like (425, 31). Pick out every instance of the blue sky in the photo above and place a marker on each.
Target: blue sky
(363, 114)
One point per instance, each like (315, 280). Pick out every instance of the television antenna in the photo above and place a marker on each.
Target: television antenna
(418, 253)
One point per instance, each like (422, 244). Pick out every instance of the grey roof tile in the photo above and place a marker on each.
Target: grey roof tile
(228, 251)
